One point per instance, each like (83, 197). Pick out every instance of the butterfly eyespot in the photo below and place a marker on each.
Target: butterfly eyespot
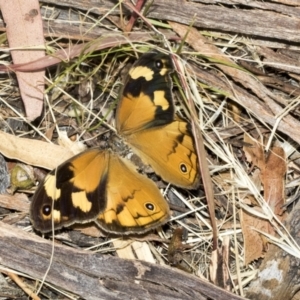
(183, 168)
(149, 206)
(46, 210)
(159, 64)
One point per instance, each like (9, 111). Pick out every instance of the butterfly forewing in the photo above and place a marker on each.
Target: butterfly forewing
(74, 192)
(145, 101)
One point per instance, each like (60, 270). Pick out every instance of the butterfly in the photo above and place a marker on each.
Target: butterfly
(101, 186)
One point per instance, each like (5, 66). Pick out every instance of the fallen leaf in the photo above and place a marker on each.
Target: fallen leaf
(254, 244)
(272, 170)
(273, 179)
(66, 54)
(25, 35)
(254, 153)
(33, 152)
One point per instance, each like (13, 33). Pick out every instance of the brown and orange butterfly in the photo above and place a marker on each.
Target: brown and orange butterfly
(98, 185)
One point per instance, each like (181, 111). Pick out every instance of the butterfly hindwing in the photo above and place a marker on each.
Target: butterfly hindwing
(170, 151)
(134, 204)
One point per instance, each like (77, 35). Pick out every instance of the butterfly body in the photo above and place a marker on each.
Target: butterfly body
(99, 185)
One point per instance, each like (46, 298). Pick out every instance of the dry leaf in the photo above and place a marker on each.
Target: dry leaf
(273, 179)
(33, 152)
(254, 244)
(273, 168)
(66, 54)
(24, 29)
(254, 153)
